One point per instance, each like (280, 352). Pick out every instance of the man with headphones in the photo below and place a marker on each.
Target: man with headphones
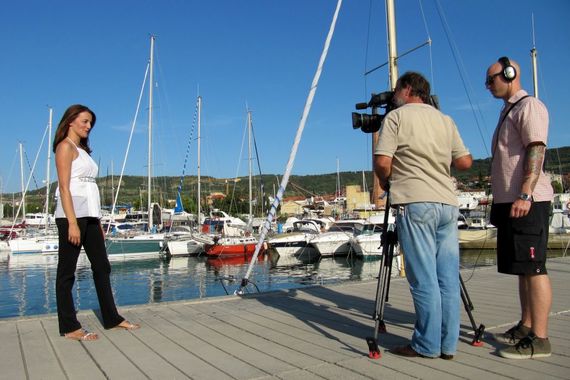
(521, 205)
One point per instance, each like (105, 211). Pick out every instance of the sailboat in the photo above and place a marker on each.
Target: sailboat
(33, 240)
(237, 242)
(147, 244)
(191, 243)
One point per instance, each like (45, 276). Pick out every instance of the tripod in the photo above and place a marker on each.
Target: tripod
(388, 241)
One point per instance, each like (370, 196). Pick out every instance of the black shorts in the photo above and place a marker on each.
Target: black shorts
(521, 242)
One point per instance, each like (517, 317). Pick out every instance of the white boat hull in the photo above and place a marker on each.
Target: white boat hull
(332, 248)
(332, 243)
(296, 250)
(477, 238)
(367, 245)
(42, 245)
(291, 244)
(184, 247)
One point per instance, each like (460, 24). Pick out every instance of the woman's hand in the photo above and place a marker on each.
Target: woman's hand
(73, 234)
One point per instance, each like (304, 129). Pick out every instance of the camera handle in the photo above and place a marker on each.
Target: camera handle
(389, 240)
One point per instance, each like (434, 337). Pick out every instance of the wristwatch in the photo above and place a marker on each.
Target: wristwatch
(525, 197)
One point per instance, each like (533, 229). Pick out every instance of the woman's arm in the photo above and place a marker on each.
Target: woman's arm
(64, 156)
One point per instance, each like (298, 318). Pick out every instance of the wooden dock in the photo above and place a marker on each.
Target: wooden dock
(311, 333)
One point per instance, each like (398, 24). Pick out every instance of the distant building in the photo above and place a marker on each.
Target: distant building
(358, 199)
(293, 205)
(214, 196)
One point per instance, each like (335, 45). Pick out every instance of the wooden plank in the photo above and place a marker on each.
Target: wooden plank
(377, 368)
(40, 359)
(208, 332)
(285, 335)
(73, 356)
(174, 328)
(247, 333)
(310, 333)
(108, 358)
(296, 331)
(10, 352)
(153, 333)
(141, 355)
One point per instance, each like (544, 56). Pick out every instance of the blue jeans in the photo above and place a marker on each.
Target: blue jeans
(427, 233)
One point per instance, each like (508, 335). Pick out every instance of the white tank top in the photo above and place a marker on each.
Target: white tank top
(83, 188)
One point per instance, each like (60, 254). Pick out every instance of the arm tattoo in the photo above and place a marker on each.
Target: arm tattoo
(533, 164)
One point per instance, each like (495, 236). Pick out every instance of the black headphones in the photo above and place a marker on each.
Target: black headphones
(509, 71)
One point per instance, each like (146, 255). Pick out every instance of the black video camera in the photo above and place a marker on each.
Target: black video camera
(370, 123)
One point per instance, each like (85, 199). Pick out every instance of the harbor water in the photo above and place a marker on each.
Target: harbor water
(27, 282)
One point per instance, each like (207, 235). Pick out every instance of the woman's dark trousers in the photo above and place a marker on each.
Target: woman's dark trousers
(93, 242)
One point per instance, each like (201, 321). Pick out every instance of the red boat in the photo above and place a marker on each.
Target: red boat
(232, 246)
(221, 261)
(9, 232)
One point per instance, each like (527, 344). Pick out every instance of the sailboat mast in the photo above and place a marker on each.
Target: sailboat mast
(22, 180)
(392, 49)
(533, 54)
(393, 70)
(112, 188)
(199, 128)
(337, 179)
(149, 163)
(48, 168)
(250, 221)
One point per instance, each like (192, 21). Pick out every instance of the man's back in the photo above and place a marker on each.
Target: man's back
(423, 142)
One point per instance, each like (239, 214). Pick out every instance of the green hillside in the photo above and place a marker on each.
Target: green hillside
(133, 188)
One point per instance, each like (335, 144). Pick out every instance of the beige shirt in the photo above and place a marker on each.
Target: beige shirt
(422, 142)
(527, 122)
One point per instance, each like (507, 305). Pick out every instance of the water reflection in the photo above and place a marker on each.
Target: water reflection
(27, 282)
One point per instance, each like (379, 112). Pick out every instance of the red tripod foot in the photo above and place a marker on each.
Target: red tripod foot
(373, 349)
(477, 343)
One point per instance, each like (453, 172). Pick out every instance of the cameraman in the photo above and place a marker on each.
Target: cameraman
(416, 147)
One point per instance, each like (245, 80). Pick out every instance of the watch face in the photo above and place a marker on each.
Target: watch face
(524, 197)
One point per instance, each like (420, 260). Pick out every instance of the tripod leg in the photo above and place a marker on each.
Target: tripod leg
(382, 290)
(386, 285)
(477, 331)
(373, 349)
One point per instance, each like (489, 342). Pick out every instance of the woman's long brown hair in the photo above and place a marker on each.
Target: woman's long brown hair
(63, 127)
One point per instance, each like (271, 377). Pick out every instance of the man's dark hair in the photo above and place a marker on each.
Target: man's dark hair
(419, 85)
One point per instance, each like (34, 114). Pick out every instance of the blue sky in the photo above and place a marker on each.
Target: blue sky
(261, 55)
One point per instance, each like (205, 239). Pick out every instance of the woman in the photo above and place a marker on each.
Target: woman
(77, 217)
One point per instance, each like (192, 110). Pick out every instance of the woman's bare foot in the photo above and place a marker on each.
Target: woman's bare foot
(126, 325)
(81, 335)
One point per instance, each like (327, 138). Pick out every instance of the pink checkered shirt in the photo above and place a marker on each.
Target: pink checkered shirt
(526, 123)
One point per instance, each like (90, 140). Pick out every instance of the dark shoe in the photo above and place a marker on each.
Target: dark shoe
(446, 356)
(512, 335)
(407, 351)
(528, 347)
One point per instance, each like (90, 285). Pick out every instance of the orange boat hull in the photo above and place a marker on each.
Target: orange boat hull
(221, 250)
